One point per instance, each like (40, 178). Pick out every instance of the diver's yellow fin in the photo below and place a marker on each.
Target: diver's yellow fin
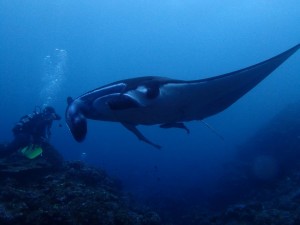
(32, 151)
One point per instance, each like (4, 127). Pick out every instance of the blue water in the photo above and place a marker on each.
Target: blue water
(53, 49)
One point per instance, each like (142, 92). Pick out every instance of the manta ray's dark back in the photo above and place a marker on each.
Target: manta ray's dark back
(163, 101)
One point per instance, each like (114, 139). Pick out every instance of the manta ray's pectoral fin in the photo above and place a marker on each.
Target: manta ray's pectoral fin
(139, 135)
(175, 125)
(121, 102)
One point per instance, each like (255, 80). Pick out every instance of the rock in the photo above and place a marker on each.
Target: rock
(36, 192)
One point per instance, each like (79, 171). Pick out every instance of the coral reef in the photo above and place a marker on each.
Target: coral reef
(266, 175)
(259, 186)
(278, 205)
(37, 192)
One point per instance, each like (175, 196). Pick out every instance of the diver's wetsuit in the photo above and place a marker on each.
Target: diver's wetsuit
(32, 129)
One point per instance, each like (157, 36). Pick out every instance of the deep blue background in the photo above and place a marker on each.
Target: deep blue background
(110, 40)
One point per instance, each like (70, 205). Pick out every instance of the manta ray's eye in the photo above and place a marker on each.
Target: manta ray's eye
(152, 92)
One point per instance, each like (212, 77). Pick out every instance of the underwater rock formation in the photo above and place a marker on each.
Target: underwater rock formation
(36, 192)
(272, 205)
(261, 185)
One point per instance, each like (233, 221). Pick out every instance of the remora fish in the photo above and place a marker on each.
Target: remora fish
(168, 102)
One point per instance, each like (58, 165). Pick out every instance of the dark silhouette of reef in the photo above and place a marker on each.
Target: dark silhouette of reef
(37, 192)
(260, 186)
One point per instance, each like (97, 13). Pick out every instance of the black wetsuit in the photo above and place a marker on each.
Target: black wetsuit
(33, 129)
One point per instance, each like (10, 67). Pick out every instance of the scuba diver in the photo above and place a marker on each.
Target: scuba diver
(32, 134)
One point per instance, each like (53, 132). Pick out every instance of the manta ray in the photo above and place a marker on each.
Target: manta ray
(163, 101)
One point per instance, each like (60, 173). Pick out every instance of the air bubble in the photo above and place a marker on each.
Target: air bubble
(53, 76)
